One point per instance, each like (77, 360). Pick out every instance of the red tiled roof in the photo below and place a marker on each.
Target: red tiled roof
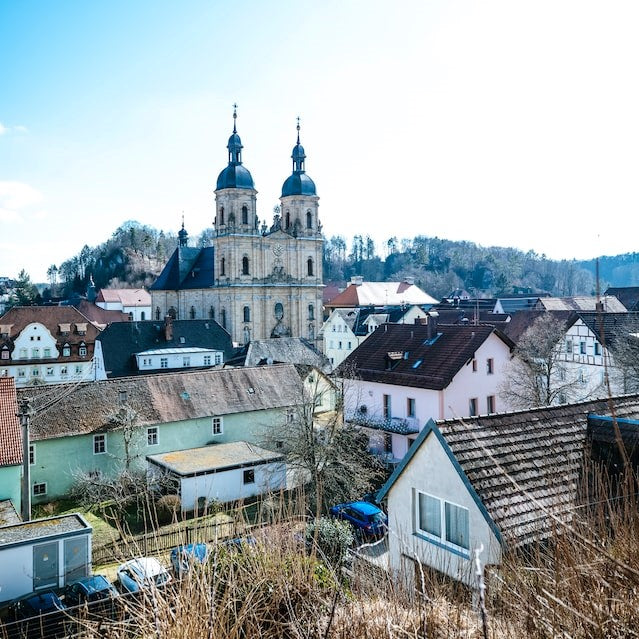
(10, 433)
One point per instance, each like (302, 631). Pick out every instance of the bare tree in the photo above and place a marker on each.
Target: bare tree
(625, 355)
(328, 456)
(538, 374)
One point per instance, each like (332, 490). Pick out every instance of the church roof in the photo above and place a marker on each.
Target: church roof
(235, 176)
(381, 294)
(298, 184)
(187, 268)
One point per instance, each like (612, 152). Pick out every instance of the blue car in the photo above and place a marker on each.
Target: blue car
(96, 591)
(40, 614)
(183, 557)
(366, 518)
(39, 603)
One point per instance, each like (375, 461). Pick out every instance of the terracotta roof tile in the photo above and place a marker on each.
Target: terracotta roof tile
(10, 432)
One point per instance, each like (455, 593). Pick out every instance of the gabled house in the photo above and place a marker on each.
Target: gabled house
(11, 450)
(627, 295)
(403, 375)
(132, 348)
(80, 431)
(280, 350)
(48, 345)
(135, 302)
(346, 328)
(483, 483)
(361, 293)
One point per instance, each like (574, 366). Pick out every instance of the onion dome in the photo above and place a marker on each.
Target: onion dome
(183, 236)
(298, 183)
(235, 176)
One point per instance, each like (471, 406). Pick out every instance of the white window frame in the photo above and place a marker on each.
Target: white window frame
(207, 360)
(186, 361)
(218, 358)
(32, 454)
(40, 492)
(152, 433)
(100, 437)
(441, 539)
(164, 362)
(217, 426)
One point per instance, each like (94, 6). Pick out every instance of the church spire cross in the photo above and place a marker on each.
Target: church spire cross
(234, 116)
(298, 129)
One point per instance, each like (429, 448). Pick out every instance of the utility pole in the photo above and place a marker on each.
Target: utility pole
(26, 411)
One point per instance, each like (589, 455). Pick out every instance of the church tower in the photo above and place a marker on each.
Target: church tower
(257, 282)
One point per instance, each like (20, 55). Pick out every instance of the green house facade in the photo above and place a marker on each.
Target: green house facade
(107, 426)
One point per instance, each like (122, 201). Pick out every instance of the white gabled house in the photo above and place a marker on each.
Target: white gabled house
(406, 374)
(466, 485)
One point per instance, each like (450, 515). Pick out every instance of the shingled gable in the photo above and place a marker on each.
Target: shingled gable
(519, 466)
(10, 433)
(427, 361)
(157, 399)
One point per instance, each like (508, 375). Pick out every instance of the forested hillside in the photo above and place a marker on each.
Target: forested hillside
(135, 254)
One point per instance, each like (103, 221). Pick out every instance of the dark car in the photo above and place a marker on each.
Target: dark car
(40, 614)
(183, 557)
(96, 591)
(366, 518)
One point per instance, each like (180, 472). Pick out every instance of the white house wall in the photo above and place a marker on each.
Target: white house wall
(228, 485)
(431, 471)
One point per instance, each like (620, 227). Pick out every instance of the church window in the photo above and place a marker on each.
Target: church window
(192, 312)
(222, 266)
(245, 214)
(245, 265)
(223, 317)
(172, 313)
(157, 313)
(279, 311)
(247, 314)
(311, 331)
(287, 220)
(309, 219)
(211, 313)
(311, 312)
(309, 266)
(221, 215)
(142, 315)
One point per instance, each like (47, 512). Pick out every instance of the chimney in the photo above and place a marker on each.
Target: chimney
(409, 280)
(432, 324)
(358, 280)
(168, 328)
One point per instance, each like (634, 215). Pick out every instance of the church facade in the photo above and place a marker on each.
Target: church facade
(256, 281)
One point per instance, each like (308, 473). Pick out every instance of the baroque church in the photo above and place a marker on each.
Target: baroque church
(256, 281)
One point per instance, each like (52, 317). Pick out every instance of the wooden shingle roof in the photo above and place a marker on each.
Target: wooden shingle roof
(79, 409)
(522, 466)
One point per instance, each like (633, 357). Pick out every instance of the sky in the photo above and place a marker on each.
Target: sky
(500, 123)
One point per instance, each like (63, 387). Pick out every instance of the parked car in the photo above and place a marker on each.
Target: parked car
(96, 591)
(368, 519)
(40, 614)
(183, 557)
(142, 573)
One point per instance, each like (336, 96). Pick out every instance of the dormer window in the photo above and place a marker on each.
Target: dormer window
(82, 351)
(66, 351)
(5, 352)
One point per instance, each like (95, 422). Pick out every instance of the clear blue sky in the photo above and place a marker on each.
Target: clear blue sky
(503, 123)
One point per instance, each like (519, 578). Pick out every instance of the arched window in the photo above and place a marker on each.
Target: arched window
(279, 311)
(223, 317)
(245, 214)
(311, 312)
(309, 219)
(142, 315)
(245, 265)
(172, 313)
(309, 266)
(192, 312)
(222, 266)
(247, 314)
(287, 220)
(211, 313)
(221, 215)
(157, 313)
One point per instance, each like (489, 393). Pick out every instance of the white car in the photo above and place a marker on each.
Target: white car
(142, 572)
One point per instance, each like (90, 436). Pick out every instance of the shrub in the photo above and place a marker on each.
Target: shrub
(167, 508)
(331, 538)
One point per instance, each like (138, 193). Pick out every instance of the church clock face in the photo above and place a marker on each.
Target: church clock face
(278, 249)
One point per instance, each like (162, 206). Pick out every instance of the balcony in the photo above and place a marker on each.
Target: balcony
(399, 425)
